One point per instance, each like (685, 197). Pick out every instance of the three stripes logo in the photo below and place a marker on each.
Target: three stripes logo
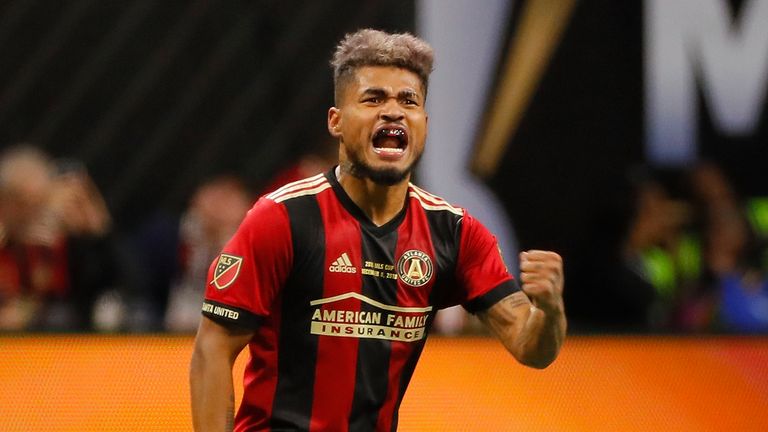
(342, 265)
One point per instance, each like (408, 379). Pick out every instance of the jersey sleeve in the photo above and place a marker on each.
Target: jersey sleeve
(482, 276)
(246, 277)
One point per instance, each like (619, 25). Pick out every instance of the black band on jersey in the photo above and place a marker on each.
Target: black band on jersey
(483, 302)
(226, 314)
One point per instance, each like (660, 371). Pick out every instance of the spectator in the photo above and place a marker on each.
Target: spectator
(317, 159)
(215, 212)
(100, 268)
(659, 257)
(734, 254)
(33, 267)
(57, 249)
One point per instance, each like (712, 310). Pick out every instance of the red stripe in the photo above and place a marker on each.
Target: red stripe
(260, 377)
(337, 356)
(414, 233)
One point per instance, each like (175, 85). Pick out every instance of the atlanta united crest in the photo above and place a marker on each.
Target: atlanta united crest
(226, 271)
(415, 268)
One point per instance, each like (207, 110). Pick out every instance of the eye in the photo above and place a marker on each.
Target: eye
(409, 99)
(372, 100)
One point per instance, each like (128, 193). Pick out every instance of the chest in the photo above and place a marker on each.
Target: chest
(361, 281)
(343, 254)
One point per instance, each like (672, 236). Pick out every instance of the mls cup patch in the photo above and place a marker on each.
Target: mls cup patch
(226, 271)
(414, 268)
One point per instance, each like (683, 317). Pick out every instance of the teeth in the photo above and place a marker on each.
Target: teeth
(392, 132)
(389, 150)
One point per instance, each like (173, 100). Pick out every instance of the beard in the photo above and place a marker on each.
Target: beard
(359, 168)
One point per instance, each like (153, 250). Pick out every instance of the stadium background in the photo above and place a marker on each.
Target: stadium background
(155, 96)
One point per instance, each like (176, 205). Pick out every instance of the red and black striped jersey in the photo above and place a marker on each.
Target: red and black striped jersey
(341, 307)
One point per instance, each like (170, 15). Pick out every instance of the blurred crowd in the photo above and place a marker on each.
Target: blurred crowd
(693, 256)
(64, 266)
(57, 249)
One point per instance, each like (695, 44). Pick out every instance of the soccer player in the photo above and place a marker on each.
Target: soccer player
(333, 281)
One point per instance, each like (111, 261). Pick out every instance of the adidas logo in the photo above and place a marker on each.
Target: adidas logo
(342, 265)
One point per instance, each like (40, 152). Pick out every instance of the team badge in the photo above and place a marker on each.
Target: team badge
(226, 271)
(415, 268)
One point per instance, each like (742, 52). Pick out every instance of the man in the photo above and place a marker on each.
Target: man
(57, 252)
(215, 211)
(33, 269)
(333, 281)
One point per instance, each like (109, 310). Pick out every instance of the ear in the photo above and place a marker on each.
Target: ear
(334, 122)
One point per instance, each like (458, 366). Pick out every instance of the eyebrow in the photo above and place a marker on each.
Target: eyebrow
(378, 91)
(375, 91)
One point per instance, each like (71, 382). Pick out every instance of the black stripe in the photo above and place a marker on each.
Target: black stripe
(483, 302)
(226, 314)
(445, 234)
(297, 353)
(373, 355)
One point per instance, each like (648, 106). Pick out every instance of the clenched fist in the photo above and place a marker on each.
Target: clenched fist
(541, 274)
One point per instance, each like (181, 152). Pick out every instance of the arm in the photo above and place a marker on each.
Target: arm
(531, 323)
(210, 377)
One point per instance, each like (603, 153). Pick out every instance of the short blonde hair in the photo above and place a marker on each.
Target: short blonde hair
(18, 161)
(370, 47)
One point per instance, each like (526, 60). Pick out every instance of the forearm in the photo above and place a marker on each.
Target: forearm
(540, 337)
(212, 392)
(531, 335)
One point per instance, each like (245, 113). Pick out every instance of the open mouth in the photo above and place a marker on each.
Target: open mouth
(390, 140)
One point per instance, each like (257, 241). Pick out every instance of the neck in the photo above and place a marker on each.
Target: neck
(381, 203)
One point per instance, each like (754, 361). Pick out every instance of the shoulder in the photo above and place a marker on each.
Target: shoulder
(308, 186)
(282, 210)
(433, 203)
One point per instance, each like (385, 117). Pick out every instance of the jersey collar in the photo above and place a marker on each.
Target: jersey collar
(358, 213)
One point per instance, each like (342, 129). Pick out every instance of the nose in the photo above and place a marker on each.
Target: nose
(391, 111)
